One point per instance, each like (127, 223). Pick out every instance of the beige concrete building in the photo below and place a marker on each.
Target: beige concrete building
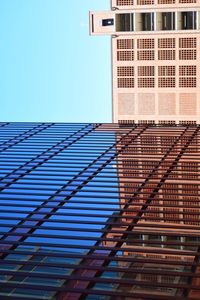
(155, 62)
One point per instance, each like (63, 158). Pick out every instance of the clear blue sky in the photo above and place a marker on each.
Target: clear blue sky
(50, 68)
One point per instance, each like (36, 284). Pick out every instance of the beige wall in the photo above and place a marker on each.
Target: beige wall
(156, 77)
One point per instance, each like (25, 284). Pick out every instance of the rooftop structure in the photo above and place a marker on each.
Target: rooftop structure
(99, 211)
(155, 62)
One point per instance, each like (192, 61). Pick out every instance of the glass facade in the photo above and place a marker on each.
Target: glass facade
(99, 211)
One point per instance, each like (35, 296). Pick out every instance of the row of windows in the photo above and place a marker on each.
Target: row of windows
(151, 2)
(150, 21)
(184, 71)
(163, 82)
(184, 54)
(163, 43)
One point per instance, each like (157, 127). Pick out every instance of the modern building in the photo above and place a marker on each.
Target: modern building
(81, 217)
(155, 59)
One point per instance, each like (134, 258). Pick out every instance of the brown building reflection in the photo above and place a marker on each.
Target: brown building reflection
(158, 169)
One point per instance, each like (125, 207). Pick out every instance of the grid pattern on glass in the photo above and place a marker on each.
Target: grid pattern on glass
(166, 54)
(146, 70)
(145, 55)
(125, 55)
(145, 2)
(166, 76)
(125, 82)
(145, 43)
(166, 71)
(146, 82)
(188, 54)
(187, 42)
(99, 211)
(167, 43)
(187, 1)
(124, 2)
(124, 71)
(125, 44)
(166, 82)
(166, 1)
(188, 82)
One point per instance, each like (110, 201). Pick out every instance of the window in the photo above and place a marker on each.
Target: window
(166, 43)
(107, 22)
(187, 71)
(125, 77)
(124, 71)
(146, 82)
(166, 71)
(145, 77)
(147, 21)
(166, 1)
(166, 82)
(188, 20)
(166, 54)
(124, 2)
(125, 55)
(124, 22)
(168, 21)
(190, 82)
(145, 55)
(187, 43)
(145, 2)
(145, 70)
(187, 54)
(125, 44)
(145, 43)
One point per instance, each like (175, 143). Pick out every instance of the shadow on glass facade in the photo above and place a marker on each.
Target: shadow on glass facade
(99, 211)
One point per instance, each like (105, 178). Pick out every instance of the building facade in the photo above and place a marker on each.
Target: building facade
(155, 59)
(99, 211)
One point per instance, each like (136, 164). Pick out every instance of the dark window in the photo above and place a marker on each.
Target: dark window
(168, 21)
(188, 20)
(107, 22)
(147, 21)
(124, 22)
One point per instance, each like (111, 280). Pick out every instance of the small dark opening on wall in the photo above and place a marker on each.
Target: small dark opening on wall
(107, 22)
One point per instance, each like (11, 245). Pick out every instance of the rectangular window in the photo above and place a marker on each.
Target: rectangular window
(124, 22)
(145, 44)
(166, 82)
(107, 22)
(146, 82)
(167, 43)
(187, 43)
(145, 55)
(147, 21)
(145, 2)
(168, 21)
(125, 55)
(125, 71)
(166, 71)
(145, 70)
(125, 44)
(187, 82)
(188, 54)
(166, 54)
(125, 82)
(124, 2)
(188, 20)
